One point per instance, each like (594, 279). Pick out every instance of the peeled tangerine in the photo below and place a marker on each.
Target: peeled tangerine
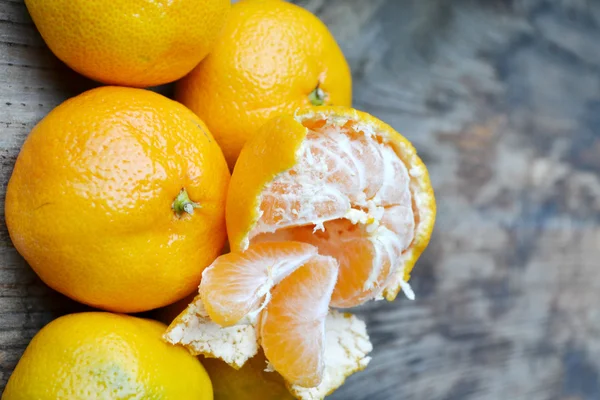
(327, 208)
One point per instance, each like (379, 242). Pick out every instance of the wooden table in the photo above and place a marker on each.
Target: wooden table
(502, 100)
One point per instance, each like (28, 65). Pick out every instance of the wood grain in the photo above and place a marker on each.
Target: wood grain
(502, 100)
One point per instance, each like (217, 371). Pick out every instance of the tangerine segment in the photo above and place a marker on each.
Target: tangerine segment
(292, 326)
(347, 346)
(288, 204)
(401, 221)
(366, 259)
(344, 160)
(394, 189)
(236, 284)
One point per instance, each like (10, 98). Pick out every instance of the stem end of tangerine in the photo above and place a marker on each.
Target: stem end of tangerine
(183, 204)
(317, 97)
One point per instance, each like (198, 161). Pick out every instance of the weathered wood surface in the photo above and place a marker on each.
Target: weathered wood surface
(502, 99)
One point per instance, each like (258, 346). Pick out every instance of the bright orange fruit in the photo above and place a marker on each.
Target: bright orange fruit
(292, 327)
(272, 58)
(347, 186)
(130, 42)
(117, 199)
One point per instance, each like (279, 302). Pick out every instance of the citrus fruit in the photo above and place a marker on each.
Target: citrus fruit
(103, 355)
(251, 382)
(130, 42)
(271, 58)
(117, 199)
(333, 181)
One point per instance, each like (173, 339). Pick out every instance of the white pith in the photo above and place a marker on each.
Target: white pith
(234, 344)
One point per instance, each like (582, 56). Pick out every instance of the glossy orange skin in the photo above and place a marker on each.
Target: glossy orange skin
(270, 57)
(89, 204)
(130, 42)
